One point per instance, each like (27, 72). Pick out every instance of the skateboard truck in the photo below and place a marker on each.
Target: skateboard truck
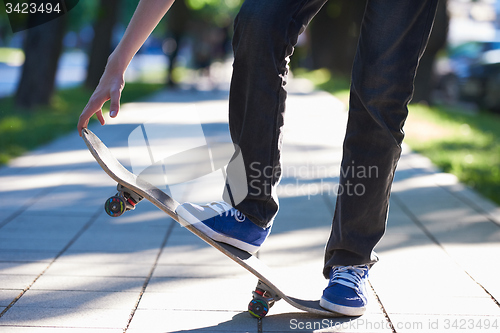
(122, 201)
(263, 299)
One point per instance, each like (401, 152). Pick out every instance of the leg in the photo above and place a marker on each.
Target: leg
(266, 32)
(264, 38)
(393, 37)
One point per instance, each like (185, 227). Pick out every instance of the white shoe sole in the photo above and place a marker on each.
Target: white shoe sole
(344, 310)
(188, 219)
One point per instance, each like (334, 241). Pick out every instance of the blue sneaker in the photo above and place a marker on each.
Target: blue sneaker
(224, 223)
(346, 292)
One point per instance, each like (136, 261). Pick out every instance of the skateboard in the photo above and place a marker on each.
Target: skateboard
(132, 189)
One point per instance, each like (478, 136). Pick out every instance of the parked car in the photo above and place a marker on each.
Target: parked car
(472, 73)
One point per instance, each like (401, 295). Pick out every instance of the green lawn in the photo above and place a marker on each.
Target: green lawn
(463, 143)
(22, 130)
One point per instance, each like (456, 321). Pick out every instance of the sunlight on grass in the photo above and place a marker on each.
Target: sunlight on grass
(323, 79)
(466, 145)
(11, 56)
(23, 130)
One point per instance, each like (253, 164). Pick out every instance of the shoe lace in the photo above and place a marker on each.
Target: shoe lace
(222, 207)
(349, 276)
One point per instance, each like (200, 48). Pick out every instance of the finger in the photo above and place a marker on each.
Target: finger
(94, 105)
(114, 106)
(81, 125)
(100, 117)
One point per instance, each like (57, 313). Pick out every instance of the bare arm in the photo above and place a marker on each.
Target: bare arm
(146, 17)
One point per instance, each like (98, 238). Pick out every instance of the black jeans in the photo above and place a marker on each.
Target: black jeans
(393, 36)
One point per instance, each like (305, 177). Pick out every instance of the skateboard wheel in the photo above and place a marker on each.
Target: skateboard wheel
(258, 308)
(115, 206)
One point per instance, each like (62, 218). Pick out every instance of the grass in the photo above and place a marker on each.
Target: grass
(11, 56)
(462, 143)
(22, 130)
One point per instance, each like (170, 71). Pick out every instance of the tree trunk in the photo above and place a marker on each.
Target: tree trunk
(437, 40)
(334, 35)
(42, 48)
(101, 44)
(177, 20)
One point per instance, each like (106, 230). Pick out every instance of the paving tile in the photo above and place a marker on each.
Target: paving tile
(88, 283)
(195, 271)
(78, 193)
(44, 224)
(8, 295)
(31, 243)
(292, 247)
(65, 317)
(413, 266)
(147, 256)
(12, 281)
(209, 300)
(445, 323)
(203, 285)
(153, 321)
(13, 198)
(442, 305)
(118, 242)
(302, 213)
(98, 269)
(145, 217)
(78, 299)
(22, 268)
(193, 254)
(27, 256)
(211, 294)
(185, 237)
(45, 232)
(474, 199)
(31, 329)
(470, 258)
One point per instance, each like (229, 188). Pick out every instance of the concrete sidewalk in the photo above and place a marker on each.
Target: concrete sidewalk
(65, 266)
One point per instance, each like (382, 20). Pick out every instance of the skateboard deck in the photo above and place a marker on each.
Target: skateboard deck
(135, 188)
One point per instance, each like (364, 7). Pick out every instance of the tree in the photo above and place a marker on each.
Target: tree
(42, 49)
(334, 35)
(101, 44)
(437, 40)
(177, 19)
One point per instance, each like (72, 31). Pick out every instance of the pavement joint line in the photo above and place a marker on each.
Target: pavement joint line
(386, 315)
(148, 278)
(485, 290)
(420, 225)
(465, 200)
(24, 207)
(31, 202)
(417, 222)
(471, 204)
(92, 219)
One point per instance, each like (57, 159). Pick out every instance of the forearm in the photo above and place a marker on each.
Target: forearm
(146, 17)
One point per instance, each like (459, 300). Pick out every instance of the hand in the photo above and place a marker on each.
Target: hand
(146, 16)
(109, 88)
